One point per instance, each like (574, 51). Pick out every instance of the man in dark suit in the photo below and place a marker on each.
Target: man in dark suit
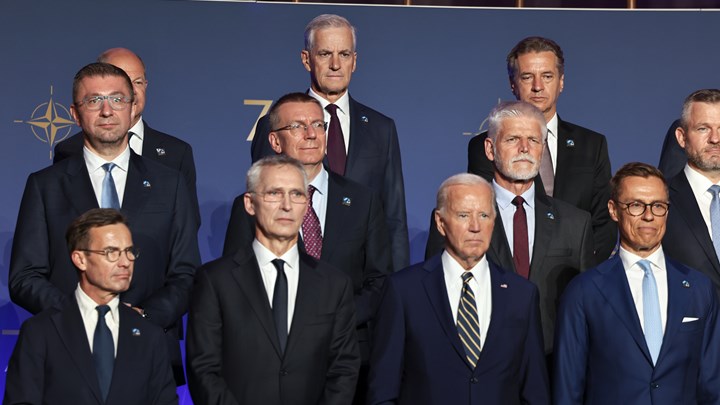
(271, 325)
(457, 329)
(144, 141)
(558, 244)
(362, 143)
(576, 166)
(640, 328)
(353, 237)
(693, 227)
(108, 174)
(92, 349)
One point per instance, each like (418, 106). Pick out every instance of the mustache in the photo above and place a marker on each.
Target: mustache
(523, 156)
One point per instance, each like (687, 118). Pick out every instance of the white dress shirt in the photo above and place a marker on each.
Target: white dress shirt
(503, 199)
(700, 185)
(90, 316)
(136, 139)
(343, 113)
(94, 164)
(552, 140)
(480, 285)
(635, 276)
(268, 272)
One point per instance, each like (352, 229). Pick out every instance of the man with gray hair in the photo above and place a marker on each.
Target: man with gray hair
(434, 342)
(362, 143)
(271, 325)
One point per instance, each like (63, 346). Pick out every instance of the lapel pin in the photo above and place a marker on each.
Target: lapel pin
(136, 332)
(570, 143)
(160, 151)
(686, 284)
(346, 201)
(550, 215)
(503, 285)
(364, 119)
(146, 184)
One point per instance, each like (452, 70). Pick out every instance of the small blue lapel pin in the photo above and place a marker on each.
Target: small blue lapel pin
(503, 285)
(346, 201)
(550, 215)
(364, 119)
(135, 332)
(686, 284)
(570, 143)
(160, 151)
(146, 184)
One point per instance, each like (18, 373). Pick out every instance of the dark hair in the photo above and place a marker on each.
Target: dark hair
(78, 233)
(634, 169)
(100, 69)
(711, 96)
(273, 115)
(534, 44)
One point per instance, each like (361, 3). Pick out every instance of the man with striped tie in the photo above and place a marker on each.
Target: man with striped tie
(458, 329)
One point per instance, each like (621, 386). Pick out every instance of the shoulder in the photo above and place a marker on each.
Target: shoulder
(147, 165)
(162, 137)
(70, 145)
(696, 277)
(372, 115)
(478, 139)
(567, 210)
(589, 136)
(511, 280)
(350, 187)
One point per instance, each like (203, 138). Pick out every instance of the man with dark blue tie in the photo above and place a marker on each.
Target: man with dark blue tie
(640, 328)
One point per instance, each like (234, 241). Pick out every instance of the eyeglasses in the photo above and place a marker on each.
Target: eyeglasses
(113, 254)
(637, 208)
(95, 103)
(300, 129)
(273, 196)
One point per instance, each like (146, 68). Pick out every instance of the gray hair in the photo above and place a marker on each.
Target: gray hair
(507, 109)
(461, 179)
(324, 21)
(710, 96)
(254, 174)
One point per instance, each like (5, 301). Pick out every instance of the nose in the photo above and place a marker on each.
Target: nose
(286, 204)
(474, 225)
(537, 84)
(647, 215)
(524, 145)
(123, 261)
(714, 136)
(311, 132)
(105, 108)
(335, 61)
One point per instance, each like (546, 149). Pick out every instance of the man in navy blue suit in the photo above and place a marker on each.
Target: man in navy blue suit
(457, 329)
(640, 328)
(362, 143)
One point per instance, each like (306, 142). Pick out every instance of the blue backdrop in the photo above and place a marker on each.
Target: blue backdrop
(212, 66)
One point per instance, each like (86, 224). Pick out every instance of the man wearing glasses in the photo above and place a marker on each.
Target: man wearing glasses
(92, 348)
(270, 324)
(640, 328)
(693, 229)
(107, 174)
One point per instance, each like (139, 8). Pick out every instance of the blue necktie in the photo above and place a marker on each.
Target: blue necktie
(280, 303)
(651, 311)
(109, 195)
(467, 321)
(715, 217)
(103, 351)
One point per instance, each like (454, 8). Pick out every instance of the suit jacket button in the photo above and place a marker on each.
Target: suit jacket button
(654, 385)
(283, 372)
(474, 380)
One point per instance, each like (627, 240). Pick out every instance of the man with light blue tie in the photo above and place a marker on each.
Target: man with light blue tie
(640, 328)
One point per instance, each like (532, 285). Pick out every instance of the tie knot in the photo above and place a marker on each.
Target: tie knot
(714, 190)
(108, 167)
(311, 191)
(645, 266)
(467, 276)
(332, 109)
(518, 201)
(102, 310)
(279, 264)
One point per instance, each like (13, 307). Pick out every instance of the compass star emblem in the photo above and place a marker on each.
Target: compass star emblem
(50, 122)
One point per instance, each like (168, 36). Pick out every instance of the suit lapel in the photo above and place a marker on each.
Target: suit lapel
(500, 301)
(137, 187)
(79, 190)
(149, 143)
(247, 276)
(128, 353)
(357, 132)
(685, 206)
(305, 308)
(613, 285)
(436, 291)
(544, 227)
(71, 330)
(563, 156)
(678, 299)
(499, 251)
(337, 213)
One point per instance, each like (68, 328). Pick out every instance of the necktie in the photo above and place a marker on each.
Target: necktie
(336, 142)
(103, 351)
(280, 303)
(521, 255)
(109, 192)
(651, 311)
(546, 170)
(715, 217)
(312, 234)
(467, 321)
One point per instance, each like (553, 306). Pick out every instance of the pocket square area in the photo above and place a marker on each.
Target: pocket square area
(689, 319)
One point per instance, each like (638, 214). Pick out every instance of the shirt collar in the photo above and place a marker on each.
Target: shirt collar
(87, 305)
(452, 268)
(552, 126)
(343, 102)
(320, 182)
(264, 256)
(95, 162)
(630, 259)
(698, 182)
(503, 197)
(138, 129)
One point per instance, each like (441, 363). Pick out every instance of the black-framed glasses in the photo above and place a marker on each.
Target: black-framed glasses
(300, 129)
(637, 208)
(113, 254)
(118, 102)
(273, 196)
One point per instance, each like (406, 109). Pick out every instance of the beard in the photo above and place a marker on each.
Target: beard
(708, 163)
(508, 170)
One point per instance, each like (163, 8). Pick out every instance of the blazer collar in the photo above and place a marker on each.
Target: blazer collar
(79, 189)
(138, 186)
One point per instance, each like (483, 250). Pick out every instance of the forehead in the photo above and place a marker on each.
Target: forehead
(701, 110)
(101, 85)
(522, 125)
(339, 37)
(465, 196)
(546, 61)
(300, 111)
(109, 235)
(281, 177)
(646, 189)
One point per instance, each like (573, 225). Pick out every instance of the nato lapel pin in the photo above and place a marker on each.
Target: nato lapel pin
(146, 184)
(136, 332)
(686, 284)
(570, 143)
(550, 215)
(160, 151)
(346, 201)
(364, 119)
